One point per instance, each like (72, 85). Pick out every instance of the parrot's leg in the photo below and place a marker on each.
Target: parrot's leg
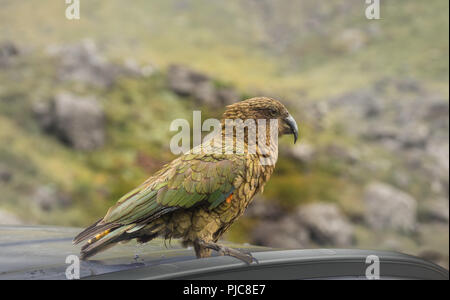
(246, 257)
(201, 251)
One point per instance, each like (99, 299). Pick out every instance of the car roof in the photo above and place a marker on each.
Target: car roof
(40, 252)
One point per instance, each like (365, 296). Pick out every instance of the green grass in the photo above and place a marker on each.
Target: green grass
(229, 40)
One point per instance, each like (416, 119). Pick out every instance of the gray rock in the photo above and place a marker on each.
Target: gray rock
(285, 233)
(302, 152)
(183, 80)
(48, 198)
(438, 168)
(310, 225)
(132, 67)
(437, 109)
(77, 121)
(5, 174)
(436, 211)
(7, 218)
(45, 197)
(359, 104)
(80, 121)
(382, 133)
(326, 224)
(343, 154)
(408, 85)
(227, 96)
(44, 114)
(82, 62)
(391, 137)
(190, 83)
(205, 93)
(263, 209)
(402, 118)
(405, 123)
(8, 50)
(387, 207)
(414, 136)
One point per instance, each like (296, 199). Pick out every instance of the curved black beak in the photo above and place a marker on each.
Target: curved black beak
(293, 125)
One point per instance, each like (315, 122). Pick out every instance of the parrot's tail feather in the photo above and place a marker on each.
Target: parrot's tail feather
(104, 240)
(93, 230)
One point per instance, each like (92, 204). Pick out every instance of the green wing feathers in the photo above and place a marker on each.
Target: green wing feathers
(188, 181)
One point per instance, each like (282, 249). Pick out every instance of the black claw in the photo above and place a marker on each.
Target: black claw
(255, 260)
(252, 259)
(249, 254)
(246, 257)
(248, 260)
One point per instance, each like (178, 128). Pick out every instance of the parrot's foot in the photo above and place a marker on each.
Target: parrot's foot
(245, 257)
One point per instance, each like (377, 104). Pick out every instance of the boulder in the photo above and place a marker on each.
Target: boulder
(387, 207)
(436, 211)
(414, 136)
(437, 109)
(48, 198)
(326, 224)
(438, 168)
(403, 118)
(5, 174)
(44, 115)
(77, 121)
(227, 95)
(310, 225)
(132, 67)
(183, 80)
(8, 50)
(205, 92)
(82, 62)
(264, 209)
(364, 103)
(285, 233)
(349, 155)
(302, 152)
(409, 85)
(190, 83)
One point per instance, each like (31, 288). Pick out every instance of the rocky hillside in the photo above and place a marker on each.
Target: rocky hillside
(85, 110)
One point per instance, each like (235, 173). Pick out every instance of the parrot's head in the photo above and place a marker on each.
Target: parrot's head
(264, 108)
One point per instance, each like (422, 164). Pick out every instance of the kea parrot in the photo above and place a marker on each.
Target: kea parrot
(198, 195)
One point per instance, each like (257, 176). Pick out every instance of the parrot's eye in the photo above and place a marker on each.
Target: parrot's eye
(272, 111)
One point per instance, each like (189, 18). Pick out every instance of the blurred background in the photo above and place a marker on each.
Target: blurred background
(85, 109)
